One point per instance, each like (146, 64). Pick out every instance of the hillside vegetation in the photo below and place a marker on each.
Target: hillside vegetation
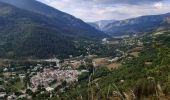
(144, 77)
(28, 33)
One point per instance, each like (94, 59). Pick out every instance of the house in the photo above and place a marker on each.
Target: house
(105, 41)
(21, 76)
(49, 89)
(5, 69)
(2, 95)
(114, 59)
(12, 97)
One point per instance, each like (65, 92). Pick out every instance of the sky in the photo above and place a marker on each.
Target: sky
(95, 10)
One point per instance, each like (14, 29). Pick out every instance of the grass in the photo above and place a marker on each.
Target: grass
(19, 85)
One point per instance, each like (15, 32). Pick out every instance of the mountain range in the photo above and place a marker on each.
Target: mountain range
(100, 25)
(139, 25)
(31, 28)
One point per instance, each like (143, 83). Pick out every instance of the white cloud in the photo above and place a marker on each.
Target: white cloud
(93, 10)
(158, 5)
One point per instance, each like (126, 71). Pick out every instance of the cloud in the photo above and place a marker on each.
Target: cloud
(124, 1)
(93, 10)
(158, 5)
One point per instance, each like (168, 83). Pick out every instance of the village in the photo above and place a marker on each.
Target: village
(51, 74)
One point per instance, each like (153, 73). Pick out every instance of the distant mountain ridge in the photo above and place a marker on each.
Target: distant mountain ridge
(139, 25)
(25, 33)
(101, 24)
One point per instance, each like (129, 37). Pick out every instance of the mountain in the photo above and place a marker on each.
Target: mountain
(68, 23)
(139, 25)
(101, 24)
(40, 33)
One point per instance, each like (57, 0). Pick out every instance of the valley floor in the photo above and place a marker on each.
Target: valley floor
(137, 69)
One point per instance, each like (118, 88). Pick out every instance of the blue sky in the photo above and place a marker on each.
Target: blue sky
(94, 10)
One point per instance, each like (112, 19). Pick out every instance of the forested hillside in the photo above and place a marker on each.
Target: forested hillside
(146, 76)
(29, 34)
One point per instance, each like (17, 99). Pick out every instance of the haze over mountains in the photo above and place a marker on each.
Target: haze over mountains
(138, 25)
(100, 25)
(30, 28)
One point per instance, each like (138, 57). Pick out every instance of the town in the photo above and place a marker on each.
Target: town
(21, 79)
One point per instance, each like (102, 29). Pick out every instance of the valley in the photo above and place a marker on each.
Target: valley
(48, 54)
(117, 61)
(39, 72)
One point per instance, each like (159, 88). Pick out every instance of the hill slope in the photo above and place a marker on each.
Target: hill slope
(63, 21)
(26, 33)
(143, 77)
